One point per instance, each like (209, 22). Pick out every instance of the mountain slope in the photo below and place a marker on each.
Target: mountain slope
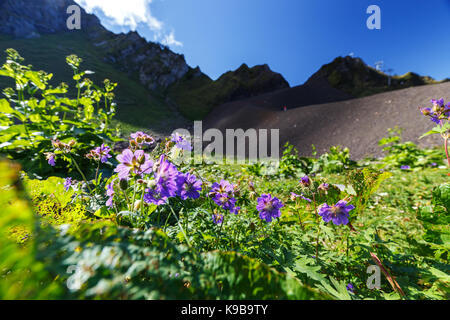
(196, 95)
(155, 83)
(356, 123)
(137, 107)
(353, 76)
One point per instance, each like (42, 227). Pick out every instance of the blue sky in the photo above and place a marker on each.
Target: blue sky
(294, 37)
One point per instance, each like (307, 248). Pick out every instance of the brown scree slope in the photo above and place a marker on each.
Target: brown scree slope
(355, 123)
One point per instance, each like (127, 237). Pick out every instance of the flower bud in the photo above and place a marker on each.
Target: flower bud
(137, 205)
(293, 196)
(123, 184)
(151, 183)
(133, 144)
(305, 181)
(141, 159)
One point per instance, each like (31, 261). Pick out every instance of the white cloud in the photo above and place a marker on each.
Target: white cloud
(169, 40)
(130, 13)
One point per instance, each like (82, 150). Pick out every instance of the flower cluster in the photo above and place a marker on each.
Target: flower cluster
(217, 217)
(181, 142)
(110, 193)
(301, 196)
(68, 183)
(305, 181)
(169, 182)
(139, 139)
(438, 111)
(63, 147)
(350, 288)
(223, 194)
(324, 187)
(58, 147)
(137, 163)
(158, 181)
(100, 153)
(339, 213)
(50, 157)
(269, 207)
(189, 186)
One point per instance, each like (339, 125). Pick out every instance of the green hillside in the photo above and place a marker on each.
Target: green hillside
(137, 108)
(196, 95)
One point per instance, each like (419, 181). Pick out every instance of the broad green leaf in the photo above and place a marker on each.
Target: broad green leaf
(437, 130)
(34, 77)
(5, 107)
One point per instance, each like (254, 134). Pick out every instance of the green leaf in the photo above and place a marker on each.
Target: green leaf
(103, 213)
(441, 196)
(5, 107)
(437, 130)
(34, 77)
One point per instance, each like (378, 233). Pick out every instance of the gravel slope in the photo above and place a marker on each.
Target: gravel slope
(357, 123)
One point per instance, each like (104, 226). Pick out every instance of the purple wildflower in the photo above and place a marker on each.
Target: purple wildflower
(305, 181)
(110, 193)
(339, 213)
(436, 120)
(217, 218)
(405, 167)
(447, 109)
(181, 142)
(438, 103)
(166, 177)
(225, 201)
(189, 186)
(154, 197)
(50, 157)
(138, 163)
(235, 210)
(140, 138)
(426, 111)
(324, 187)
(434, 164)
(103, 152)
(350, 288)
(222, 187)
(100, 153)
(67, 184)
(294, 196)
(223, 195)
(269, 207)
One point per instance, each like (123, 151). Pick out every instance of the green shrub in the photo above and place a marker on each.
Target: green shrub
(35, 113)
(336, 160)
(408, 154)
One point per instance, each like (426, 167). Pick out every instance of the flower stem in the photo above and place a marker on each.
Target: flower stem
(181, 227)
(318, 226)
(446, 150)
(220, 232)
(81, 172)
(134, 193)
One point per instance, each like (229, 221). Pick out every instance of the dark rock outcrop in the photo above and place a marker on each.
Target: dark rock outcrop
(356, 78)
(196, 95)
(154, 65)
(30, 18)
